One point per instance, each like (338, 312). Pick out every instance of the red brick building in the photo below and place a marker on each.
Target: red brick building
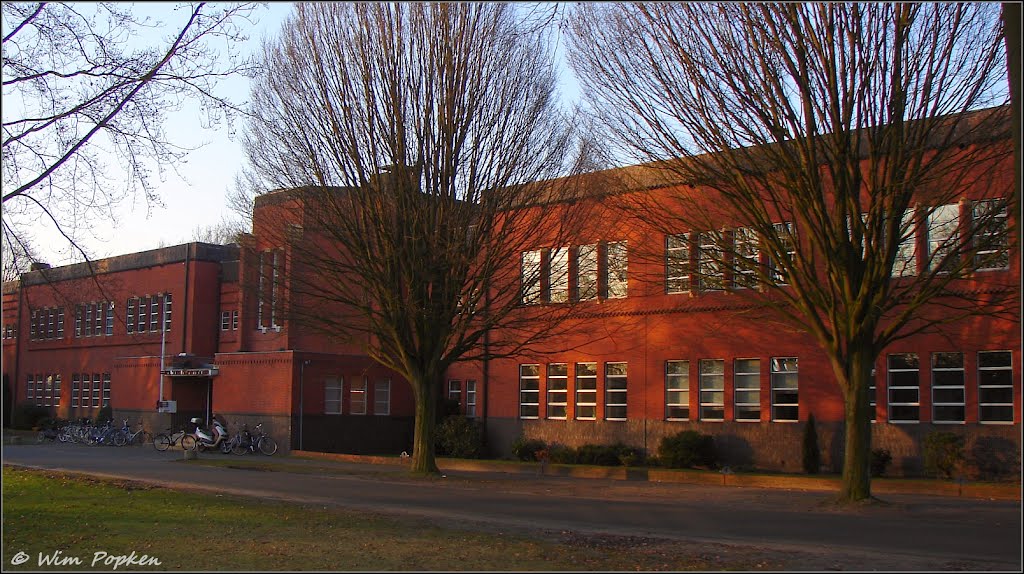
(651, 356)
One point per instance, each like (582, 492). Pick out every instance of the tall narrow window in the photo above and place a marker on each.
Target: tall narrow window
(167, 312)
(260, 290)
(948, 388)
(382, 397)
(677, 390)
(529, 391)
(47, 390)
(274, 280)
(746, 260)
(558, 275)
(79, 315)
(531, 269)
(97, 390)
(785, 389)
(787, 244)
(586, 391)
(455, 391)
(357, 396)
(154, 313)
(709, 261)
(56, 390)
(615, 391)
(904, 388)
(677, 263)
(130, 314)
(332, 395)
(76, 389)
(471, 399)
(905, 264)
(89, 310)
(108, 327)
(990, 236)
(234, 320)
(873, 395)
(100, 316)
(586, 272)
(30, 389)
(615, 271)
(746, 378)
(225, 320)
(60, 322)
(943, 224)
(558, 388)
(712, 389)
(140, 324)
(995, 387)
(106, 389)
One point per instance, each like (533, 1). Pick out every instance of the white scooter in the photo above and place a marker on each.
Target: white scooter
(216, 437)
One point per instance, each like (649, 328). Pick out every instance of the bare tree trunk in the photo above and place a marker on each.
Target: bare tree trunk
(856, 371)
(423, 459)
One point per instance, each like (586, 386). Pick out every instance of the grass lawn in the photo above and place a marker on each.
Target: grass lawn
(77, 517)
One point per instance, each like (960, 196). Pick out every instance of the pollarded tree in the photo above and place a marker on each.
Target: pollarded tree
(406, 140)
(831, 137)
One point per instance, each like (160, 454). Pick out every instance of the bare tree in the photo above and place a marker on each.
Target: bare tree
(82, 92)
(221, 233)
(828, 136)
(409, 138)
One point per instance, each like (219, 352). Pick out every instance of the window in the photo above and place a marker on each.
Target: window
(382, 397)
(746, 376)
(140, 324)
(904, 388)
(787, 244)
(154, 313)
(677, 263)
(76, 386)
(260, 291)
(712, 389)
(677, 390)
(332, 395)
(995, 387)
(785, 389)
(47, 390)
(615, 384)
(130, 315)
(455, 391)
(990, 237)
(89, 308)
(873, 395)
(586, 391)
(558, 388)
(234, 320)
(905, 264)
(106, 389)
(167, 312)
(274, 280)
(56, 390)
(97, 389)
(615, 271)
(30, 389)
(225, 320)
(529, 391)
(943, 224)
(109, 323)
(709, 261)
(471, 399)
(558, 275)
(357, 397)
(586, 272)
(99, 316)
(948, 387)
(60, 322)
(531, 277)
(746, 260)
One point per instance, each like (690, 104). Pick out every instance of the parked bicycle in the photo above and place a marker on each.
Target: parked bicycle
(168, 438)
(252, 442)
(106, 435)
(136, 438)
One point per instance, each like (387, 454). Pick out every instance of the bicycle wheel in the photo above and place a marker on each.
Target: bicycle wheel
(188, 442)
(239, 448)
(268, 446)
(162, 442)
(119, 439)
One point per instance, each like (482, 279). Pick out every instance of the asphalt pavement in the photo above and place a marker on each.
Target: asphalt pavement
(934, 531)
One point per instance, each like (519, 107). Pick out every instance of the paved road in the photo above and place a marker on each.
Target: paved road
(958, 533)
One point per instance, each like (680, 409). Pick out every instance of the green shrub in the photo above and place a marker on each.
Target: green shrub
(995, 458)
(811, 454)
(27, 416)
(599, 454)
(105, 414)
(880, 459)
(943, 454)
(459, 437)
(526, 448)
(562, 454)
(688, 449)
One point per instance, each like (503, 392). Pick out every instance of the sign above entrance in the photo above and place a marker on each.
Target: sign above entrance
(167, 406)
(205, 372)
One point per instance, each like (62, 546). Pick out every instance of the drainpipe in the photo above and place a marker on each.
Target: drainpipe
(302, 394)
(184, 307)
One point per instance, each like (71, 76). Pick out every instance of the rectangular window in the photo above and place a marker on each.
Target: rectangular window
(995, 387)
(905, 264)
(261, 290)
(76, 389)
(677, 263)
(140, 324)
(529, 391)
(382, 397)
(873, 395)
(558, 275)
(615, 271)
(167, 312)
(677, 390)
(106, 389)
(586, 391)
(234, 320)
(709, 261)
(746, 378)
(60, 322)
(712, 389)
(948, 403)
(100, 316)
(471, 399)
(586, 272)
(943, 234)
(97, 390)
(225, 320)
(47, 390)
(990, 236)
(51, 331)
(746, 258)
(904, 388)
(154, 313)
(787, 243)
(332, 396)
(79, 313)
(785, 389)
(56, 390)
(109, 323)
(89, 309)
(274, 279)
(558, 389)
(531, 277)
(357, 397)
(30, 389)
(455, 391)
(130, 314)
(615, 385)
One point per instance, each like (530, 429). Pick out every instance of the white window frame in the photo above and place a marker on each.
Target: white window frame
(745, 247)
(903, 387)
(76, 389)
(529, 391)
(530, 278)
(905, 263)
(130, 314)
(712, 390)
(557, 389)
(784, 369)
(677, 390)
(986, 207)
(382, 397)
(787, 238)
(558, 275)
(470, 398)
(616, 272)
(585, 384)
(225, 320)
(987, 385)
(746, 377)
(455, 391)
(709, 261)
(106, 389)
(97, 390)
(586, 272)
(357, 396)
(943, 235)
(334, 388)
(677, 263)
(616, 391)
(945, 381)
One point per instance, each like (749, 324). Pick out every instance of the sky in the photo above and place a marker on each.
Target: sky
(197, 197)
